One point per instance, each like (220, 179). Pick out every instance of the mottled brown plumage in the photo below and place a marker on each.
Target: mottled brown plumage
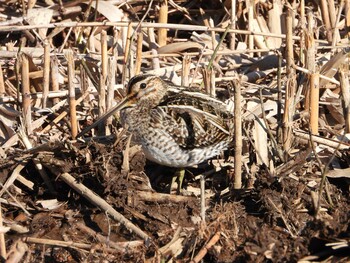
(176, 126)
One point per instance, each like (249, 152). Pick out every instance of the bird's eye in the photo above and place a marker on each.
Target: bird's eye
(143, 85)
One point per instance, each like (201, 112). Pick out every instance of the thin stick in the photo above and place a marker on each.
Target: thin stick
(103, 205)
(163, 18)
(2, 237)
(206, 247)
(102, 84)
(233, 24)
(202, 186)
(314, 102)
(326, 20)
(46, 79)
(54, 77)
(153, 48)
(237, 183)
(138, 53)
(290, 88)
(344, 85)
(27, 111)
(72, 102)
(2, 84)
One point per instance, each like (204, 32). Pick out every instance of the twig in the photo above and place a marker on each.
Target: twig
(72, 101)
(206, 247)
(103, 205)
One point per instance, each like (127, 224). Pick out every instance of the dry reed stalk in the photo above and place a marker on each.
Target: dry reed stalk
(127, 44)
(314, 102)
(46, 77)
(186, 63)
(344, 85)
(233, 25)
(153, 48)
(3, 252)
(72, 102)
(54, 78)
(163, 18)
(110, 87)
(333, 19)
(310, 55)
(290, 87)
(250, 8)
(26, 105)
(138, 52)
(336, 35)
(326, 20)
(103, 81)
(2, 84)
(237, 180)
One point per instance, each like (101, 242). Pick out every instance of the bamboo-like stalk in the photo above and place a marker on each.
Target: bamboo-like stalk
(310, 55)
(72, 101)
(153, 48)
(3, 252)
(237, 183)
(314, 102)
(26, 105)
(163, 18)
(290, 88)
(2, 83)
(54, 78)
(250, 8)
(46, 78)
(233, 25)
(103, 81)
(326, 20)
(186, 63)
(110, 87)
(138, 53)
(344, 85)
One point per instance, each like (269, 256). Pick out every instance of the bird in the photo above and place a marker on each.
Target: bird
(176, 126)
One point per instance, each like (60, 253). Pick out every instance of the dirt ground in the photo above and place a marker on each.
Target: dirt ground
(274, 221)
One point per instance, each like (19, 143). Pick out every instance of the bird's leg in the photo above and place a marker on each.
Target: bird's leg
(177, 180)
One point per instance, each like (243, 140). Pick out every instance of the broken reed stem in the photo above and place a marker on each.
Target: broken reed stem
(54, 78)
(314, 102)
(138, 53)
(110, 87)
(336, 35)
(233, 25)
(103, 81)
(163, 18)
(237, 182)
(46, 77)
(153, 48)
(3, 252)
(127, 53)
(206, 247)
(72, 102)
(186, 63)
(345, 89)
(290, 87)
(326, 20)
(250, 8)
(26, 106)
(310, 55)
(2, 83)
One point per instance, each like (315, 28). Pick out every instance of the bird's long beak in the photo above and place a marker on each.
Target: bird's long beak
(127, 101)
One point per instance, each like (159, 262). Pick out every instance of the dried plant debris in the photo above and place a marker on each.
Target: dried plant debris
(279, 193)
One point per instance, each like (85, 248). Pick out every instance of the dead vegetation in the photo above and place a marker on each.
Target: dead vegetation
(281, 196)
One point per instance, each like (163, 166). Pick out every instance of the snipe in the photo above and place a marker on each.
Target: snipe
(176, 126)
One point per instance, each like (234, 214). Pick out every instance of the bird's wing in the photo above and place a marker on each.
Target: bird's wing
(193, 119)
